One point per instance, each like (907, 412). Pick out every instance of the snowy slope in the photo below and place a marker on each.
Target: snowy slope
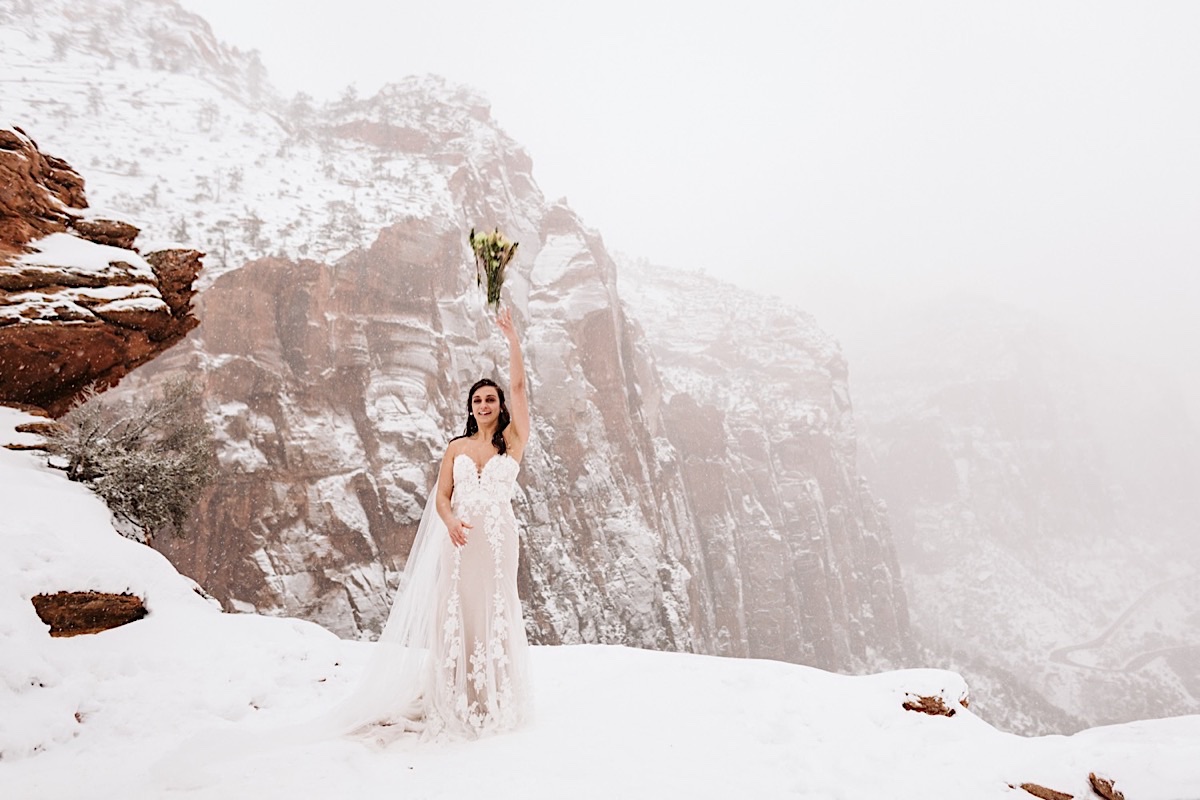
(209, 156)
(89, 716)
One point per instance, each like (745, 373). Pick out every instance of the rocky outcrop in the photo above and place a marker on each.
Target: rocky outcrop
(78, 613)
(38, 192)
(1104, 787)
(79, 306)
(929, 704)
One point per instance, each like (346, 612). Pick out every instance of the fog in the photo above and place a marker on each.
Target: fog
(852, 156)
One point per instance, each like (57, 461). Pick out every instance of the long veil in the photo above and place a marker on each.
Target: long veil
(389, 697)
(391, 691)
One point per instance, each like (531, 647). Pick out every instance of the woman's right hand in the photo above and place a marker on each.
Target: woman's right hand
(505, 323)
(458, 532)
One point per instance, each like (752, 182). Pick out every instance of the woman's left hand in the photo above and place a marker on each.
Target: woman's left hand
(505, 323)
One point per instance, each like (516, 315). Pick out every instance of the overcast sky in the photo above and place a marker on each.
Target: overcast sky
(844, 153)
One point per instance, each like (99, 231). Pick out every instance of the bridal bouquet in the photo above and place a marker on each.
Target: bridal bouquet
(492, 253)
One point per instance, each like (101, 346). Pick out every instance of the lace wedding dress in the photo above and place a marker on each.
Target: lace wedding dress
(453, 659)
(479, 664)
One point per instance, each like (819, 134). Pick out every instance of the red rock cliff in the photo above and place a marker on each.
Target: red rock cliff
(79, 306)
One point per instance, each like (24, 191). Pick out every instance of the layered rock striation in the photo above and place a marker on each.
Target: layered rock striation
(79, 306)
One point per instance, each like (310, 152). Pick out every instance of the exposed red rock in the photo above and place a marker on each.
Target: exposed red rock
(106, 231)
(1104, 787)
(930, 705)
(82, 309)
(1044, 793)
(76, 613)
(390, 137)
(37, 192)
(176, 271)
(40, 428)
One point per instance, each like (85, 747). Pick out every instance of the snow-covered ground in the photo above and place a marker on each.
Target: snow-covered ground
(90, 716)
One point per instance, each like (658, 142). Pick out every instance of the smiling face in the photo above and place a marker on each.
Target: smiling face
(485, 404)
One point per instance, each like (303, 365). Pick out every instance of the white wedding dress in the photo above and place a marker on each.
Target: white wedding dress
(477, 680)
(453, 660)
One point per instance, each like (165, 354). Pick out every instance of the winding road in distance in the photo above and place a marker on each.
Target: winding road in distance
(1063, 654)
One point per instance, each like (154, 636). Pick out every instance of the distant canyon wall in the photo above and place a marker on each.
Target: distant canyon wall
(1043, 495)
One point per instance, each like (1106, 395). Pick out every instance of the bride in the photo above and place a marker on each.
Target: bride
(453, 658)
(479, 654)
(453, 661)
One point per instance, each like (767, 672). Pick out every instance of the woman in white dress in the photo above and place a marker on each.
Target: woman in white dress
(453, 660)
(479, 653)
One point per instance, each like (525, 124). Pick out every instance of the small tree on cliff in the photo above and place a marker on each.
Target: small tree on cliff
(149, 459)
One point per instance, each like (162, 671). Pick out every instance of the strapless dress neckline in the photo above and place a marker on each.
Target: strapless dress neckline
(480, 470)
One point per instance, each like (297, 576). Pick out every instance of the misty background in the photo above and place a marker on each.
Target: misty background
(853, 157)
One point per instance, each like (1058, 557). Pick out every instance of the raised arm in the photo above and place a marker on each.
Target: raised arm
(518, 391)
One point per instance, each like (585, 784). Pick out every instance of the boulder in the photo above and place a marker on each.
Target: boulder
(77, 613)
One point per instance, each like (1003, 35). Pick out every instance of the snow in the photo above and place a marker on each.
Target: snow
(611, 721)
(64, 253)
(566, 264)
(113, 280)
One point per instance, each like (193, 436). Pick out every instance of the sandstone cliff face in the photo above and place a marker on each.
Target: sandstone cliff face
(757, 407)
(336, 388)
(79, 306)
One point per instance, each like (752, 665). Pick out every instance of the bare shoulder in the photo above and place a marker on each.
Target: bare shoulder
(454, 448)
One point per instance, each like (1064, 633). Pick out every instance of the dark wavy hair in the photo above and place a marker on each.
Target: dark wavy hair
(502, 420)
